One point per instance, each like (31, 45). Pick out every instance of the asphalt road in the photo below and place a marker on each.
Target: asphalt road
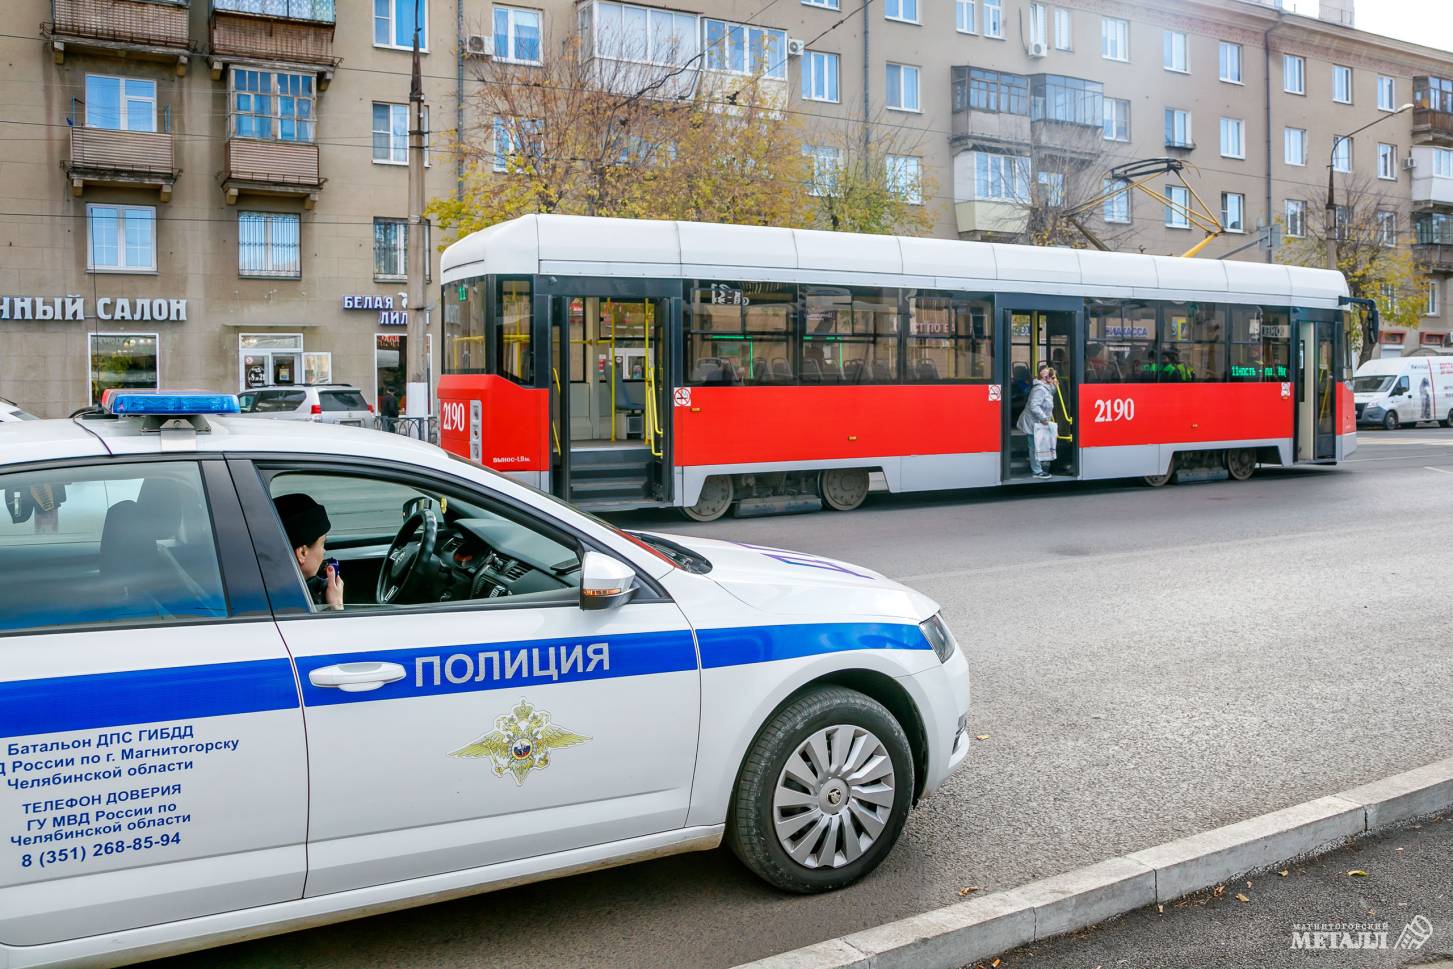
(1404, 887)
(1147, 663)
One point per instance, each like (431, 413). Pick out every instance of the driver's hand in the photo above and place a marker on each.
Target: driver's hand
(333, 595)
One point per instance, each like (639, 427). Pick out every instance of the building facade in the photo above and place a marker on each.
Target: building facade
(212, 192)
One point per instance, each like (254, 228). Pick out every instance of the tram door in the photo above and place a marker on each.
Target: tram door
(1316, 390)
(609, 398)
(1046, 331)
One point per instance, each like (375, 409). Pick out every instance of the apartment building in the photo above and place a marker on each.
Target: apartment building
(211, 192)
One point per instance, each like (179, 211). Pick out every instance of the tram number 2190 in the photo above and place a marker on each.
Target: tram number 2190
(451, 415)
(1114, 409)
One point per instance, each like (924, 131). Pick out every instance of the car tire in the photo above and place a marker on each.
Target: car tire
(797, 829)
(1390, 422)
(1449, 421)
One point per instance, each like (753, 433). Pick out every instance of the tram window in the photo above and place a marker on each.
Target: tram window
(464, 331)
(1120, 346)
(513, 319)
(740, 333)
(851, 336)
(950, 338)
(1260, 343)
(1193, 344)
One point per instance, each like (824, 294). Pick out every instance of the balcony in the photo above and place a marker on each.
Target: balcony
(990, 110)
(1432, 127)
(122, 159)
(1430, 188)
(1433, 241)
(295, 33)
(279, 168)
(150, 29)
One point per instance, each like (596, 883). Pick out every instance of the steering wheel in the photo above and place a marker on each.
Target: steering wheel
(403, 571)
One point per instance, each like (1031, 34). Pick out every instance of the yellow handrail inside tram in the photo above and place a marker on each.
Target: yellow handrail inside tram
(554, 424)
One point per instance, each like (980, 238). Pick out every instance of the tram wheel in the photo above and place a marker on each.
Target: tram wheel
(1161, 480)
(1241, 463)
(715, 499)
(844, 489)
(1390, 422)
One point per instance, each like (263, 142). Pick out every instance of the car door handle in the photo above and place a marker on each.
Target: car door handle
(356, 677)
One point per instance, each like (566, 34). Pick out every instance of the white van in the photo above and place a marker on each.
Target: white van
(1393, 391)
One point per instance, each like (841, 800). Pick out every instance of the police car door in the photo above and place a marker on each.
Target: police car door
(152, 739)
(484, 729)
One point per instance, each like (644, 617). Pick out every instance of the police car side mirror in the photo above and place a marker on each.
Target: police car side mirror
(605, 582)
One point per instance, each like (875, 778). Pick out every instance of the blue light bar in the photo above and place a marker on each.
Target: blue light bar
(168, 403)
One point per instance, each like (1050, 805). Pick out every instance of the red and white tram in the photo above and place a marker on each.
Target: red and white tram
(627, 364)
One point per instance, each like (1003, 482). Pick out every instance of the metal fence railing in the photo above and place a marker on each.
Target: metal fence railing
(418, 428)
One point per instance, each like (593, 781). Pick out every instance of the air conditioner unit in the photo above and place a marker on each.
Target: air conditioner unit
(1037, 49)
(479, 45)
(1409, 163)
(795, 47)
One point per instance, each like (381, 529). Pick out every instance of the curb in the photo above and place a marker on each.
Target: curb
(960, 934)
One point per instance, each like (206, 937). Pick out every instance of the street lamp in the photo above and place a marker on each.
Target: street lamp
(1331, 214)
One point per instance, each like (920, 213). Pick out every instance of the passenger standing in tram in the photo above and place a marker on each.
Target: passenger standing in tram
(1038, 413)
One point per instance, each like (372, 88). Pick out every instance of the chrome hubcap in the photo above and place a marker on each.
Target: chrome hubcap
(833, 797)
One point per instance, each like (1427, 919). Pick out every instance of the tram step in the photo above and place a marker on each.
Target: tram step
(608, 488)
(636, 457)
(603, 470)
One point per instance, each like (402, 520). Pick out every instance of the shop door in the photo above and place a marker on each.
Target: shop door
(1038, 331)
(1316, 390)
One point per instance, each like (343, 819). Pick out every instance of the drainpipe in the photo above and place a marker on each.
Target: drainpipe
(867, 80)
(459, 101)
(1266, 55)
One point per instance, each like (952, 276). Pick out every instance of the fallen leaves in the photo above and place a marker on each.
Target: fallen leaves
(1283, 873)
(981, 736)
(1218, 891)
(1242, 898)
(968, 890)
(1357, 873)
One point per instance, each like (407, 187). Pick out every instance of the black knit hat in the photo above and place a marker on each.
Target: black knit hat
(304, 519)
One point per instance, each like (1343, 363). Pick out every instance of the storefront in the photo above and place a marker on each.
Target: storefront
(280, 359)
(122, 361)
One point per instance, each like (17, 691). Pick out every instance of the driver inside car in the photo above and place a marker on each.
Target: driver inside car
(306, 524)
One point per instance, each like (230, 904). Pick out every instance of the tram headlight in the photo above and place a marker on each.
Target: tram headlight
(935, 630)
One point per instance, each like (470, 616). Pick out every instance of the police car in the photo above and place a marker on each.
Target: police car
(216, 725)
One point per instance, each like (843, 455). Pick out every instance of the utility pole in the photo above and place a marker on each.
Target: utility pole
(419, 396)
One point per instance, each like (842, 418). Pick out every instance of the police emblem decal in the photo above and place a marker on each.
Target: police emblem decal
(520, 742)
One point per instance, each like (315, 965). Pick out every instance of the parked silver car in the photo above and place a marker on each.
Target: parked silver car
(321, 403)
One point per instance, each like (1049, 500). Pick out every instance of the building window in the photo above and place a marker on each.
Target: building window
(1117, 119)
(739, 49)
(1073, 100)
(391, 133)
(390, 249)
(1339, 222)
(517, 35)
(993, 18)
(1341, 84)
(272, 105)
(964, 16)
(905, 177)
(820, 76)
(393, 23)
(1177, 212)
(1001, 178)
(1443, 162)
(902, 87)
(1230, 62)
(825, 4)
(1175, 52)
(1063, 32)
(518, 138)
(1387, 161)
(1387, 228)
(120, 103)
(1036, 27)
(122, 238)
(1341, 153)
(269, 244)
(1294, 146)
(1051, 188)
(645, 35)
(1178, 128)
(1233, 138)
(1114, 39)
(123, 361)
(1386, 93)
(827, 163)
(1117, 205)
(1233, 211)
(1434, 93)
(901, 10)
(1430, 304)
(1296, 218)
(997, 92)
(1293, 74)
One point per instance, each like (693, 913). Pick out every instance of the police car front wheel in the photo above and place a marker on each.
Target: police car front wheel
(823, 793)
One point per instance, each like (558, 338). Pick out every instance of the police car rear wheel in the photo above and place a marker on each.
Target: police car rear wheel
(823, 793)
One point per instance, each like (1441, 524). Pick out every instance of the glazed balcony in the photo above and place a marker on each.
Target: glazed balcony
(278, 168)
(122, 159)
(151, 29)
(1432, 110)
(290, 32)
